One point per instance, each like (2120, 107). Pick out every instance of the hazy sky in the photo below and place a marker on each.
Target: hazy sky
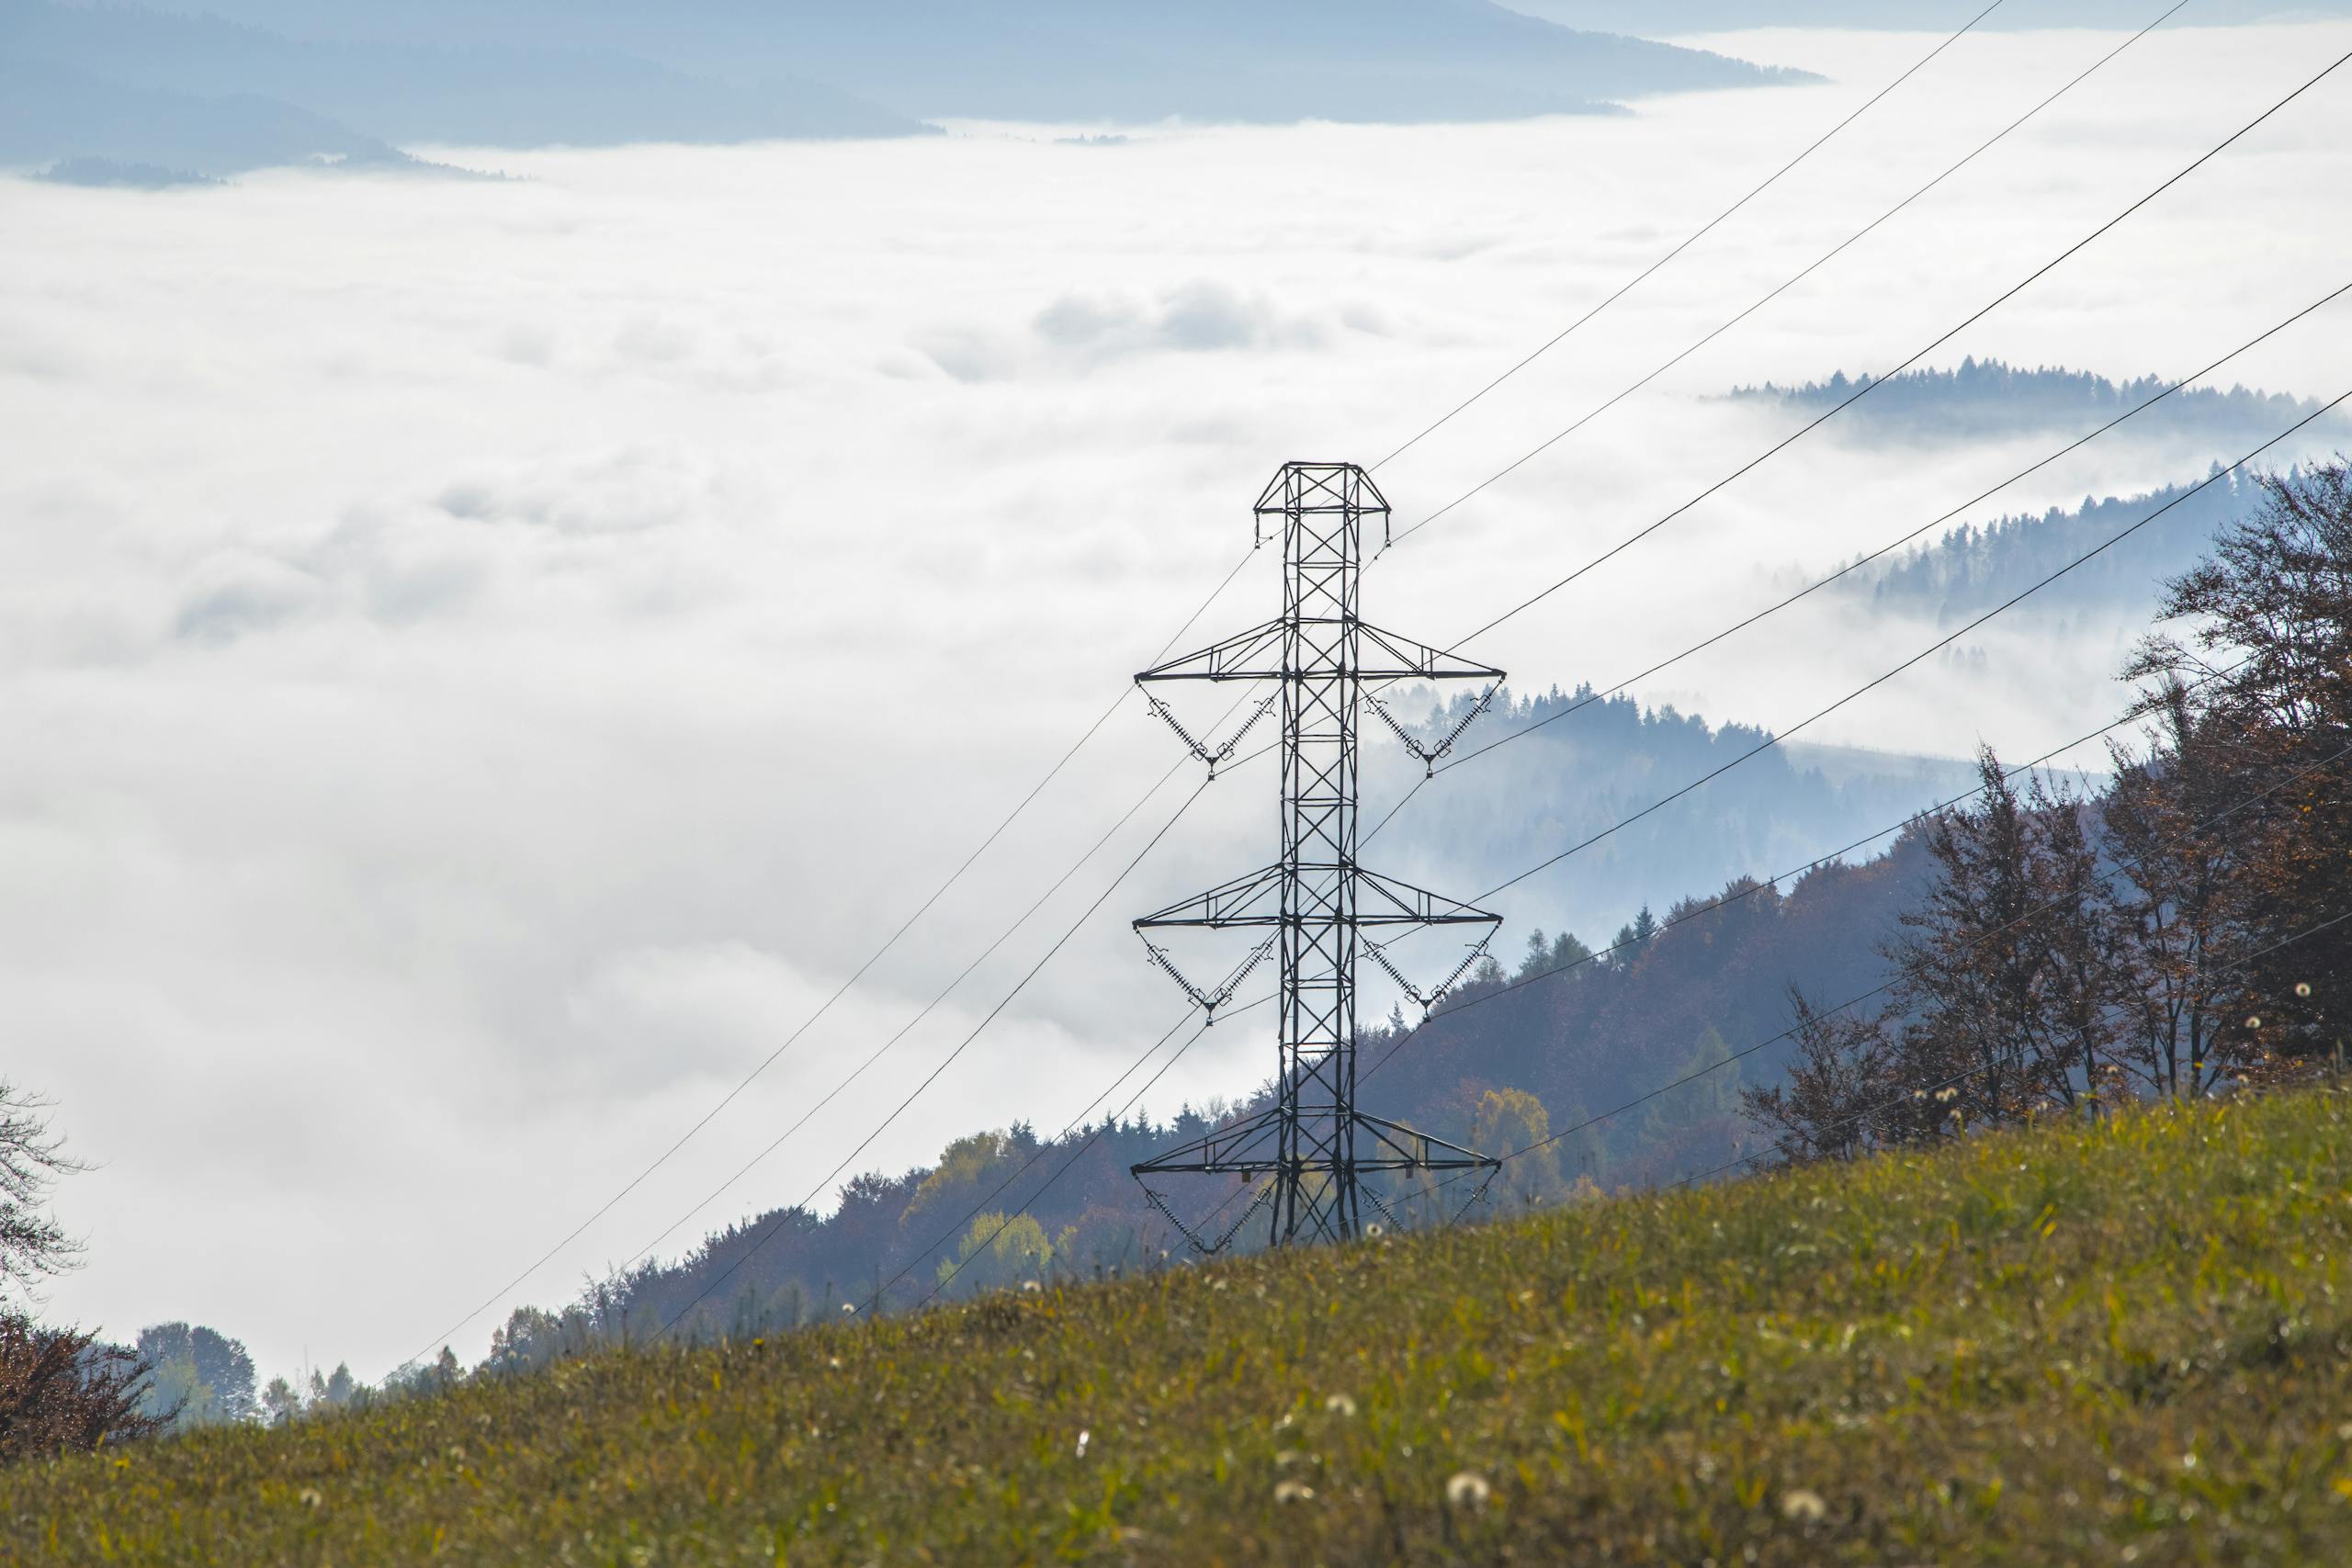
(480, 660)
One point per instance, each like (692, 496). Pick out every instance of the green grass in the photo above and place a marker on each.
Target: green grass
(2123, 1342)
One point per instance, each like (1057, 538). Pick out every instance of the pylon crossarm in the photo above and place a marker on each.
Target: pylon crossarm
(1311, 488)
(1252, 900)
(1407, 659)
(1407, 1148)
(1253, 655)
(1245, 1147)
(1384, 901)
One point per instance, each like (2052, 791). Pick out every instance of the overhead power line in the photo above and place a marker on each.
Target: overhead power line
(1873, 384)
(1063, 1169)
(1701, 232)
(907, 1028)
(944, 1063)
(1882, 551)
(1937, 647)
(1816, 265)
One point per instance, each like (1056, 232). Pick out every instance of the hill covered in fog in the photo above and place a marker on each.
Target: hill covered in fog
(196, 92)
(601, 71)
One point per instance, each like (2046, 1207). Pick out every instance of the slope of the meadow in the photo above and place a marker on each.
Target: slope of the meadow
(2124, 1341)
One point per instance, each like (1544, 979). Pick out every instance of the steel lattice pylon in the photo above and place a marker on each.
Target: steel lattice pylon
(1317, 904)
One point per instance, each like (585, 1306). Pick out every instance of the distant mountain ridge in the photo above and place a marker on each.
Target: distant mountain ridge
(1974, 567)
(215, 97)
(1125, 59)
(1984, 398)
(1566, 775)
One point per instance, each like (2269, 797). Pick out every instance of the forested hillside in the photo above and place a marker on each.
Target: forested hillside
(1987, 398)
(1976, 566)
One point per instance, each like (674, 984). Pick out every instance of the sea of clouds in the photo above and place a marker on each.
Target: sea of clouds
(481, 661)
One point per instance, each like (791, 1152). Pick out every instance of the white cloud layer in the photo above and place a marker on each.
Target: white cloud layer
(480, 661)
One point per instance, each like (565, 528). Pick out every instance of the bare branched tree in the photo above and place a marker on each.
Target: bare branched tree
(1829, 1108)
(33, 1245)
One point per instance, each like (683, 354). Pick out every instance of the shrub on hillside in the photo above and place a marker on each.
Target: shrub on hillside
(60, 1391)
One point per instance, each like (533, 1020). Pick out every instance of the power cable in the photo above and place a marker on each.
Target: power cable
(1937, 647)
(907, 1027)
(1871, 385)
(1709, 227)
(1063, 1169)
(1879, 554)
(1828, 256)
(949, 1060)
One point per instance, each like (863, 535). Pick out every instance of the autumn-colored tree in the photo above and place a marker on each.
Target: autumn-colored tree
(1835, 1102)
(2005, 972)
(2268, 663)
(60, 1391)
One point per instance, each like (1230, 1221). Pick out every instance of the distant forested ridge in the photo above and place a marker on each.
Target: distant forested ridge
(1566, 765)
(196, 93)
(1976, 566)
(1268, 60)
(1984, 398)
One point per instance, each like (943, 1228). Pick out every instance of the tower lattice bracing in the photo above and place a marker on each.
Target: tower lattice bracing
(1321, 912)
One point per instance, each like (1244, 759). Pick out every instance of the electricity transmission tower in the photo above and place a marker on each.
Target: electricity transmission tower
(1317, 907)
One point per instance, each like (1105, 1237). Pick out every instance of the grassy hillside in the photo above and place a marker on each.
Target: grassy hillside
(2111, 1343)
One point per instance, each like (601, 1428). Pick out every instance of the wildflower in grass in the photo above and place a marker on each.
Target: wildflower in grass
(1293, 1492)
(1467, 1489)
(1803, 1504)
(1340, 1405)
